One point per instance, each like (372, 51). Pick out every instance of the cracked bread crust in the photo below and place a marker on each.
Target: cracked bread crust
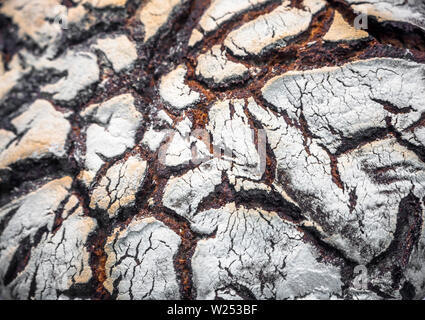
(212, 149)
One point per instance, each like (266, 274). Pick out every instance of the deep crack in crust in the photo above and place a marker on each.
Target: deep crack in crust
(202, 149)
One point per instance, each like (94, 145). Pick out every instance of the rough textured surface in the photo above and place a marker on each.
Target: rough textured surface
(155, 13)
(250, 245)
(57, 258)
(215, 69)
(191, 149)
(40, 131)
(392, 10)
(120, 51)
(175, 92)
(111, 131)
(220, 12)
(81, 71)
(340, 30)
(340, 103)
(272, 30)
(119, 186)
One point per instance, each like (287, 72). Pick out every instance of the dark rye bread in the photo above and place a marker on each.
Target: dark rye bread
(177, 149)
